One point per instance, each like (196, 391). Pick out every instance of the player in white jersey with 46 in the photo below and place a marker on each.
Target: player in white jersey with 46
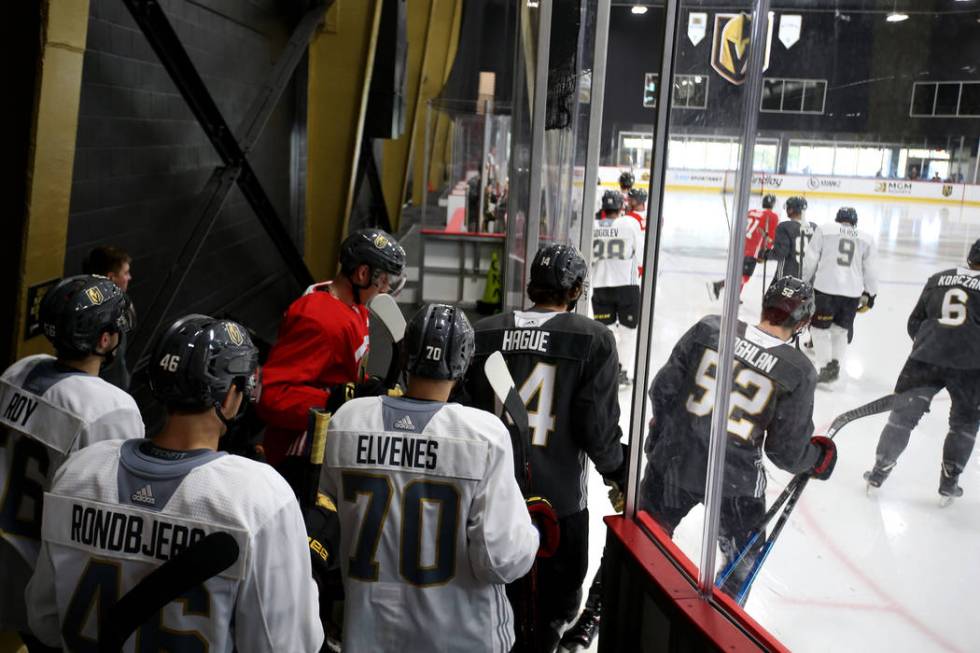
(119, 510)
(432, 519)
(840, 262)
(49, 408)
(617, 250)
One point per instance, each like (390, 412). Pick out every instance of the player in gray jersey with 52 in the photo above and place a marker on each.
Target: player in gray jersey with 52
(771, 410)
(945, 328)
(432, 521)
(119, 510)
(50, 408)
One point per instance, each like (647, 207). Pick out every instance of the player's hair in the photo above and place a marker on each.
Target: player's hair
(973, 258)
(549, 296)
(105, 259)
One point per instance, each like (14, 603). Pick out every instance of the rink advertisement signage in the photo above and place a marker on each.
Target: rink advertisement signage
(768, 181)
(730, 46)
(822, 183)
(894, 187)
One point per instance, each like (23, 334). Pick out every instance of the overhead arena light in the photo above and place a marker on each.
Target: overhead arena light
(896, 17)
(638, 10)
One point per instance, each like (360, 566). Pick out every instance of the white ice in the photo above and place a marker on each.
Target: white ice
(890, 572)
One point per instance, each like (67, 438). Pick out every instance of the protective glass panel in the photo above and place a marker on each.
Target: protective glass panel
(970, 100)
(923, 97)
(772, 94)
(947, 99)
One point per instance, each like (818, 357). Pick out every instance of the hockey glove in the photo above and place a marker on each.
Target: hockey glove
(827, 460)
(546, 521)
(341, 393)
(616, 496)
(866, 303)
(323, 535)
(616, 480)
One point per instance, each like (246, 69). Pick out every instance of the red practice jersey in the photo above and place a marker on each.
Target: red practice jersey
(639, 218)
(760, 234)
(321, 343)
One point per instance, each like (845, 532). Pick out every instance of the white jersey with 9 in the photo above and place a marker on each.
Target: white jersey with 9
(840, 260)
(47, 411)
(432, 525)
(119, 510)
(617, 252)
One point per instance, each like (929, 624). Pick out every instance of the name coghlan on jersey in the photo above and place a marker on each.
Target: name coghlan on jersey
(121, 532)
(755, 355)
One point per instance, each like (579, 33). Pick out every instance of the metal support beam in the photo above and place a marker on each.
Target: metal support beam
(163, 39)
(729, 314)
(156, 27)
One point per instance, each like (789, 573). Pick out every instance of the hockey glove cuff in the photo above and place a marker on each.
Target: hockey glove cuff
(827, 460)
(545, 519)
(323, 535)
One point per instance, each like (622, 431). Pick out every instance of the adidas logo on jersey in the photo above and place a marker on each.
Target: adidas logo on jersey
(405, 423)
(144, 495)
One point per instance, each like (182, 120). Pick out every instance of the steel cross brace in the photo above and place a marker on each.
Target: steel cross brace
(153, 22)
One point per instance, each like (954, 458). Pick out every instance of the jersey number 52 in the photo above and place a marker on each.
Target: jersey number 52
(750, 395)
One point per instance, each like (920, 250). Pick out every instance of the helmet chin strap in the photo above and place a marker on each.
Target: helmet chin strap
(109, 357)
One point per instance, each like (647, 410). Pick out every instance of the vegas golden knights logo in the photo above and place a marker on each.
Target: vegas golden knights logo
(95, 295)
(234, 333)
(380, 241)
(947, 190)
(730, 46)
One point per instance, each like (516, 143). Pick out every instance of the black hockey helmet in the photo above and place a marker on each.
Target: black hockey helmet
(796, 204)
(612, 201)
(78, 310)
(196, 361)
(558, 268)
(626, 179)
(439, 343)
(848, 215)
(769, 201)
(638, 195)
(973, 258)
(789, 302)
(377, 249)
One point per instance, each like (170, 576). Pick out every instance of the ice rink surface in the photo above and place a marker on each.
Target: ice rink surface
(851, 572)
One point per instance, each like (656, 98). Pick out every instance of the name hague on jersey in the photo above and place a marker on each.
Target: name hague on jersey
(119, 531)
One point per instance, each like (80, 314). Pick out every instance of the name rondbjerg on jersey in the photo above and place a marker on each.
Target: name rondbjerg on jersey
(128, 533)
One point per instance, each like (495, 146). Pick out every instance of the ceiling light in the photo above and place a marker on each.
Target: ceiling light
(638, 10)
(896, 17)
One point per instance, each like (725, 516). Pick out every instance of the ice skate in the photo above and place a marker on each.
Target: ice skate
(877, 476)
(582, 633)
(829, 373)
(949, 489)
(714, 289)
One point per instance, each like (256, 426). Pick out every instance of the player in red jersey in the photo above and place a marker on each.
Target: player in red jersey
(760, 234)
(322, 339)
(636, 201)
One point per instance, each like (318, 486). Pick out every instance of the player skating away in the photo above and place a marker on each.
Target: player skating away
(626, 181)
(945, 328)
(636, 202)
(792, 238)
(565, 368)
(322, 339)
(771, 411)
(432, 520)
(118, 510)
(617, 250)
(760, 234)
(50, 408)
(840, 262)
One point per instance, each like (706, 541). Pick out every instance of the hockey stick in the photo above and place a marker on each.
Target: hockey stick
(879, 405)
(188, 569)
(316, 432)
(386, 310)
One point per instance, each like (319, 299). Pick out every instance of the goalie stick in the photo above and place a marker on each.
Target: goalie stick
(790, 495)
(186, 570)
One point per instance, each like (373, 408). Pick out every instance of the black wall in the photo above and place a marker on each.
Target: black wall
(869, 64)
(142, 160)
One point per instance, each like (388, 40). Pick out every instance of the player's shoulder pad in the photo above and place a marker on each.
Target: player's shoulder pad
(259, 482)
(353, 411)
(85, 462)
(933, 281)
(90, 397)
(483, 424)
(498, 321)
(19, 368)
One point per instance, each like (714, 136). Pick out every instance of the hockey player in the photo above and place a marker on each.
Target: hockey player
(118, 510)
(432, 520)
(840, 263)
(50, 408)
(617, 252)
(772, 410)
(636, 202)
(322, 338)
(792, 237)
(760, 234)
(626, 181)
(565, 368)
(945, 328)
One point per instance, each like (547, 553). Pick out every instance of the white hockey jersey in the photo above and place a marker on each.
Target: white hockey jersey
(47, 411)
(432, 525)
(118, 510)
(840, 260)
(617, 252)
